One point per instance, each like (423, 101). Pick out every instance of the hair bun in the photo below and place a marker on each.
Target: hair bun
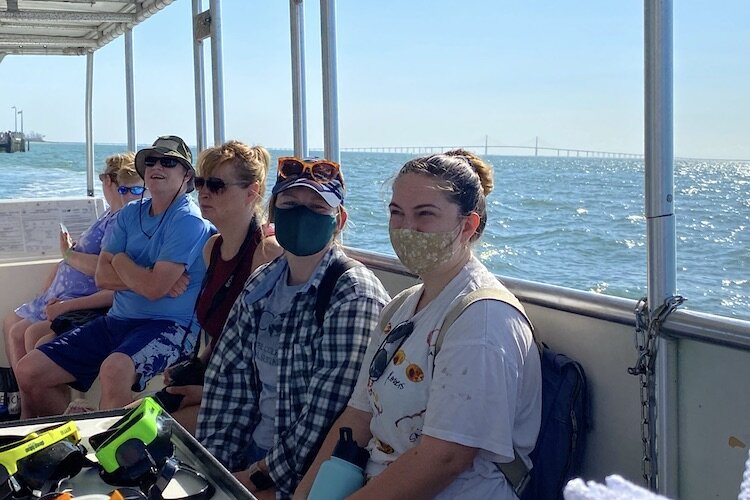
(481, 167)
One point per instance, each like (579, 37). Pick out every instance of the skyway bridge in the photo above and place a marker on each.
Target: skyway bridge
(499, 150)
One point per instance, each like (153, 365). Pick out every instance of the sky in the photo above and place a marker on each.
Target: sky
(416, 72)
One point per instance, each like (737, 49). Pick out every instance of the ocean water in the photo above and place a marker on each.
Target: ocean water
(574, 222)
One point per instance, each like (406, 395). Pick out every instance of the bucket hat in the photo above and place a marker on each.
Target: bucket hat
(169, 146)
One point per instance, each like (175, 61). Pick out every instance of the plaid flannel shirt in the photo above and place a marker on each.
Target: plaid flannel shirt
(317, 369)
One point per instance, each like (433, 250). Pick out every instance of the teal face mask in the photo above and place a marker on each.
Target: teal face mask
(301, 231)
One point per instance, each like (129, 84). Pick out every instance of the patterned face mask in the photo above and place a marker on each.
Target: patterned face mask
(422, 252)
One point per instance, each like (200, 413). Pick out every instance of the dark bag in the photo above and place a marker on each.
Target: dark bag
(558, 454)
(73, 319)
(10, 399)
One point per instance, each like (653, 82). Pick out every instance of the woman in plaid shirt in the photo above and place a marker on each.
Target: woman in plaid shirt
(278, 379)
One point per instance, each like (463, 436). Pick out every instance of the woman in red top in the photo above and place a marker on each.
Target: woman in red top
(231, 183)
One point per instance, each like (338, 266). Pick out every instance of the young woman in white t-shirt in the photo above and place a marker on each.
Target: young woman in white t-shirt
(437, 425)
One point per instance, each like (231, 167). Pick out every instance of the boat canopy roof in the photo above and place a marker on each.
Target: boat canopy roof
(68, 27)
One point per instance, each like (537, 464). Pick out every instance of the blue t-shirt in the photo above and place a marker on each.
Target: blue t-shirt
(178, 238)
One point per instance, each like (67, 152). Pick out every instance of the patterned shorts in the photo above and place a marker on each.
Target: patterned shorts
(153, 345)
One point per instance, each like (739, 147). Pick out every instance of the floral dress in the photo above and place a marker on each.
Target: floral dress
(70, 283)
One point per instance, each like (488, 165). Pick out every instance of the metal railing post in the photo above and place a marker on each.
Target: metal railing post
(330, 80)
(299, 103)
(217, 71)
(199, 82)
(89, 124)
(660, 226)
(129, 90)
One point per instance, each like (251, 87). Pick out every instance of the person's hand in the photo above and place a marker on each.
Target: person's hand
(55, 307)
(269, 494)
(167, 376)
(66, 243)
(181, 285)
(134, 404)
(243, 477)
(192, 394)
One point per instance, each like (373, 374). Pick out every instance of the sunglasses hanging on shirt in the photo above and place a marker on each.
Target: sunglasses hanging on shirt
(385, 353)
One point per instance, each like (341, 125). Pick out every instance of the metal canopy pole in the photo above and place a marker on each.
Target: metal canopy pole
(89, 124)
(217, 71)
(660, 225)
(299, 104)
(129, 89)
(199, 81)
(330, 89)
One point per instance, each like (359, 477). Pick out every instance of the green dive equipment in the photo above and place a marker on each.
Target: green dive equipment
(134, 446)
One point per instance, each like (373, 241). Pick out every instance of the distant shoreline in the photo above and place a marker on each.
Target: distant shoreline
(320, 150)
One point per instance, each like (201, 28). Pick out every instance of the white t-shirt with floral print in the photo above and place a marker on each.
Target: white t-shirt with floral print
(484, 391)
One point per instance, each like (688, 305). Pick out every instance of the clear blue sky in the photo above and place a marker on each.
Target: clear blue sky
(417, 72)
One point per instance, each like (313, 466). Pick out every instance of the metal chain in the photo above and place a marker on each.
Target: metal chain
(647, 329)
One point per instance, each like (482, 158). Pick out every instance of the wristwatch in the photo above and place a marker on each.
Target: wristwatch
(260, 479)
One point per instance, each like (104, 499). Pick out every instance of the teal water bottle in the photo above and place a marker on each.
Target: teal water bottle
(343, 473)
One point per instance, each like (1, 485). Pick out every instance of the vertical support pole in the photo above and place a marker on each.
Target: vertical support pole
(330, 83)
(660, 227)
(129, 89)
(199, 82)
(299, 101)
(217, 71)
(89, 124)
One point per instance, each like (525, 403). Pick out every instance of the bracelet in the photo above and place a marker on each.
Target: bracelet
(67, 253)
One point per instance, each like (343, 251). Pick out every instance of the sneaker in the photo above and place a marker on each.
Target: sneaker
(79, 406)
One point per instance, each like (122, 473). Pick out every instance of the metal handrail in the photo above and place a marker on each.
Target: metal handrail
(682, 324)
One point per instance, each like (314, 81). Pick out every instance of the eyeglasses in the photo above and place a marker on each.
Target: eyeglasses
(216, 185)
(165, 162)
(136, 190)
(382, 357)
(321, 171)
(111, 176)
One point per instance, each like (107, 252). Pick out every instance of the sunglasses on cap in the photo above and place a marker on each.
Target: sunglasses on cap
(382, 356)
(165, 161)
(216, 185)
(136, 190)
(320, 171)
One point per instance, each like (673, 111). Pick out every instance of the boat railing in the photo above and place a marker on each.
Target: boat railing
(685, 324)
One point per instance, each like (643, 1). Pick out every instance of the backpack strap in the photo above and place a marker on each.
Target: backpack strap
(328, 283)
(516, 472)
(391, 307)
(479, 294)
